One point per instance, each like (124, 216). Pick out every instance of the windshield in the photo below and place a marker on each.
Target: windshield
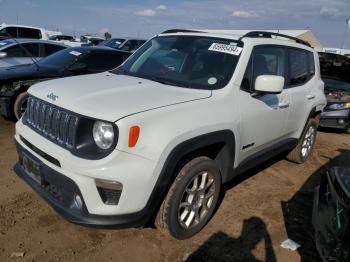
(186, 61)
(336, 85)
(114, 43)
(61, 59)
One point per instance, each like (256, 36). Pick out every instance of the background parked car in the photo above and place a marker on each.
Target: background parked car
(15, 81)
(62, 38)
(335, 71)
(23, 31)
(125, 44)
(87, 40)
(23, 51)
(66, 40)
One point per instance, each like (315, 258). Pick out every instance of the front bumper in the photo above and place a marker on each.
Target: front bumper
(59, 192)
(331, 218)
(337, 119)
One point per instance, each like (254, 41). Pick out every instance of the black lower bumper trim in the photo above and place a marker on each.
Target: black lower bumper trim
(81, 217)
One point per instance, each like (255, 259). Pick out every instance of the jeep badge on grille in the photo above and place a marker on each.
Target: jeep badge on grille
(52, 96)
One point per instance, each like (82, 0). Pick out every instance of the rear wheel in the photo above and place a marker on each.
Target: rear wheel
(20, 105)
(306, 144)
(191, 199)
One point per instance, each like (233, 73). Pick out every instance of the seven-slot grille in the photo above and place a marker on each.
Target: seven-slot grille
(54, 123)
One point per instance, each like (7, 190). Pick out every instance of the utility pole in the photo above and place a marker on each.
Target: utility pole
(345, 33)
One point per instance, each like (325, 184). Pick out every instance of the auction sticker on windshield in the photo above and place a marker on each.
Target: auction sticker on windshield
(228, 49)
(75, 53)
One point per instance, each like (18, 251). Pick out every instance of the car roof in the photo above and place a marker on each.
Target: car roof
(247, 39)
(29, 40)
(24, 26)
(86, 49)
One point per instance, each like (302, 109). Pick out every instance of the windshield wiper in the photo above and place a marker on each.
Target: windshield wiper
(164, 81)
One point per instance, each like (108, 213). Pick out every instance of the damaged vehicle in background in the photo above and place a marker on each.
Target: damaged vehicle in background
(335, 70)
(331, 215)
(23, 51)
(15, 81)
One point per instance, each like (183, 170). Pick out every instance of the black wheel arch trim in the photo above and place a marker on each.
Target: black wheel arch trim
(225, 160)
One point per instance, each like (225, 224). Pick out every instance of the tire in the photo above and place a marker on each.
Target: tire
(20, 105)
(175, 220)
(306, 143)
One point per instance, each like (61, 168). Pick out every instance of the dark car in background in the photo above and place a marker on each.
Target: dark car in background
(62, 38)
(331, 215)
(24, 51)
(127, 44)
(335, 72)
(15, 81)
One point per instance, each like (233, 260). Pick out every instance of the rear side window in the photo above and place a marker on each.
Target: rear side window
(298, 68)
(29, 33)
(50, 49)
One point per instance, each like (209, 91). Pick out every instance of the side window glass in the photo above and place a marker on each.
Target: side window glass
(9, 32)
(15, 51)
(248, 77)
(298, 71)
(32, 48)
(268, 61)
(29, 33)
(311, 64)
(50, 49)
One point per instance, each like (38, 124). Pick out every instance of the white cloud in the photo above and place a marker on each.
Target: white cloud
(244, 14)
(161, 7)
(146, 12)
(329, 12)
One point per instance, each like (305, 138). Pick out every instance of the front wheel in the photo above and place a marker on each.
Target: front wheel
(20, 105)
(306, 143)
(191, 199)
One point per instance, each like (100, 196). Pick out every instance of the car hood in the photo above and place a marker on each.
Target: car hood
(110, 97)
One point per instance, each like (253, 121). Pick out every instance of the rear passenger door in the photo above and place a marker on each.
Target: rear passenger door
(301, 76)
(263, 116)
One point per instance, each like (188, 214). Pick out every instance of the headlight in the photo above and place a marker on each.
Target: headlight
(338, 106)
(103, 134)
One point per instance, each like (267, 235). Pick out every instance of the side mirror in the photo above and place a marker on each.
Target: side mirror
(78, 67)
(269, 84)
(3, 54)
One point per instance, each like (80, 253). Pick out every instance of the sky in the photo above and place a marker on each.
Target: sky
(325, 18)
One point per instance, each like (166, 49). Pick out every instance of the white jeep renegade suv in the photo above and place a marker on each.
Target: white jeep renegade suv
(155, 139)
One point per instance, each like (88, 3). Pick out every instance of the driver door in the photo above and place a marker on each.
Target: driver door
(263, 116)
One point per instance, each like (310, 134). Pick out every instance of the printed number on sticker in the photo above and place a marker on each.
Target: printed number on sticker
(228, 49)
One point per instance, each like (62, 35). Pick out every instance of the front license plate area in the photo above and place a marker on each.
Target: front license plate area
(32, 168)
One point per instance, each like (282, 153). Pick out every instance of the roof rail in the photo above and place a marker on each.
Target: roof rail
(265, 34)
(171, 31)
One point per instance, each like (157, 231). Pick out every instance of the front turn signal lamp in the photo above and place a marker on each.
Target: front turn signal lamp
(134, 134)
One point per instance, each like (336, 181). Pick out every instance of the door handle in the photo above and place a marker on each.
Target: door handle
(309, 97)
(283, 105)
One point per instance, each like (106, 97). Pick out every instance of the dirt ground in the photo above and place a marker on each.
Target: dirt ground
(261, 209)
